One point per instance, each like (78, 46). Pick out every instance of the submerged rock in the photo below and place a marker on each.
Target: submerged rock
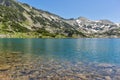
(116, 78)
(105, 65)
(4, 67)
(82, 76)
(107, 78)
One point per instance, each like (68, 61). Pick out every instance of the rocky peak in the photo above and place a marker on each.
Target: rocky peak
(105, 21)
(95, 26)
(82, 18)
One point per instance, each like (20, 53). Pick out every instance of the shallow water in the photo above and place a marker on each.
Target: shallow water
(61, 59)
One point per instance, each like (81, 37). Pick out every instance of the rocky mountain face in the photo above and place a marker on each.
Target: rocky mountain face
(100, 28)
(19, 18)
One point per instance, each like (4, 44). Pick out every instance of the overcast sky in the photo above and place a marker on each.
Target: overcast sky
(92, 9)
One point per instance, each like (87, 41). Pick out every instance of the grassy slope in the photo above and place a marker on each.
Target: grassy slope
(13, 21)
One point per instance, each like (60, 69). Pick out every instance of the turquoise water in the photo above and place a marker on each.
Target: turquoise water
(85, 50)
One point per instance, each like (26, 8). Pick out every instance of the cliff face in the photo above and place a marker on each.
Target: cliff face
(16, 17)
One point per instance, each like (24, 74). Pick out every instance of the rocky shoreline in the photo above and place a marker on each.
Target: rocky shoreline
(15, 66)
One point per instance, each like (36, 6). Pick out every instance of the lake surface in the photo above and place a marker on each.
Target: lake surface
(85, 55)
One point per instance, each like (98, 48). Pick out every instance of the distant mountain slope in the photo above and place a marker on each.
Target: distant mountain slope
(21, 20)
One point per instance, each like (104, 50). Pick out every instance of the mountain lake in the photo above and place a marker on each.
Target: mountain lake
(60, 59)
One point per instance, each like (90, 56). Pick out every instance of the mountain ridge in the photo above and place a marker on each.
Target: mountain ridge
(23, 20)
